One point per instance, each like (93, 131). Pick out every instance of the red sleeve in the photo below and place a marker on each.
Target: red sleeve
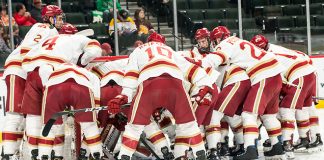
(21, 20)
(32, 20)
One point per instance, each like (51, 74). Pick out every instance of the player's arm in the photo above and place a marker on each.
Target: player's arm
(193, 73)
(91, 50)
(214, 59)
(132, 71)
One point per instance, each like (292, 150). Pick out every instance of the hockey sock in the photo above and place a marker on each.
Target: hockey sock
(92, 135)
(33, 130)
(302, 117)
(224, 130)
(314, 123)
(130, 139)
(59, 141)
(213, 133)
(11, 135)
(236, 125)
(156, 136)
(188, 135)
(287, 116)
(273, 127)
(250, 128)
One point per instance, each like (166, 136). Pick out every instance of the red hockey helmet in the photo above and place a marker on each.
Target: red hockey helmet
(50, 11)
(221, 32)
(155, 37)
(68, 28)
(260, 41)
(202, 33)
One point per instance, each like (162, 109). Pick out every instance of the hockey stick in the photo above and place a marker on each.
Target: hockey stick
(143, 140)
(318, 98)
(108, 58)
(52, 120)
(86, 32)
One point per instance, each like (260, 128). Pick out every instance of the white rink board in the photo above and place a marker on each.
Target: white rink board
(318, 62)
(3, 94)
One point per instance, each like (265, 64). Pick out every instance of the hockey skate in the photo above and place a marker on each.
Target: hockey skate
(82, 155)
(166, 154)
(213, 155)
(316, 146)
(266, 145)
(201, 155)
(276, 152)
(223, 149)
(251, 152)
(10, 157)
(301, 147)
(289, 149)
(34, 154)
(236, 150)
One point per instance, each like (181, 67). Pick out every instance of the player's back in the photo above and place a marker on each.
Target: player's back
(296, 63)
(113, 71)
(66, 71)
(154, 59)
(285, 51)
(36, 35)
(56, 50)
(258, 63)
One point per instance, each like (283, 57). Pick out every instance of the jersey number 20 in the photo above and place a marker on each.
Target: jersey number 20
(243, 45)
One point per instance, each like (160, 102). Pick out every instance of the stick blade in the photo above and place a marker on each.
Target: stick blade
(47, 127)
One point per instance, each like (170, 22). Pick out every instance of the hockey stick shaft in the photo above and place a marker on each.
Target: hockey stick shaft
(318, 98)
(108, 58)
(142, 140)
(86, 32)
(52, 120)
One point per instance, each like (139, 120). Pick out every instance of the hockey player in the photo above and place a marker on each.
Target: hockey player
(211, 127)
(70, 86)
(263, 97)
(297, 98)
(158, 74)
(53, 51)
(204, 113)
(15, 76)
(111, 80)
(235, 84)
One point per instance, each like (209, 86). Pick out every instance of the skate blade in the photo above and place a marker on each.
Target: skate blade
(225, 157)
(316, 149)
(290, 155)
(276, 157)
(301, 150)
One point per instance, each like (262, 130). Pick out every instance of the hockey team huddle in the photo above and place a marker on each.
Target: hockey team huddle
(223, 82)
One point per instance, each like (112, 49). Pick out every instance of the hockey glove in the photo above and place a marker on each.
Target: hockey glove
(201, 98)
(115, 103)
